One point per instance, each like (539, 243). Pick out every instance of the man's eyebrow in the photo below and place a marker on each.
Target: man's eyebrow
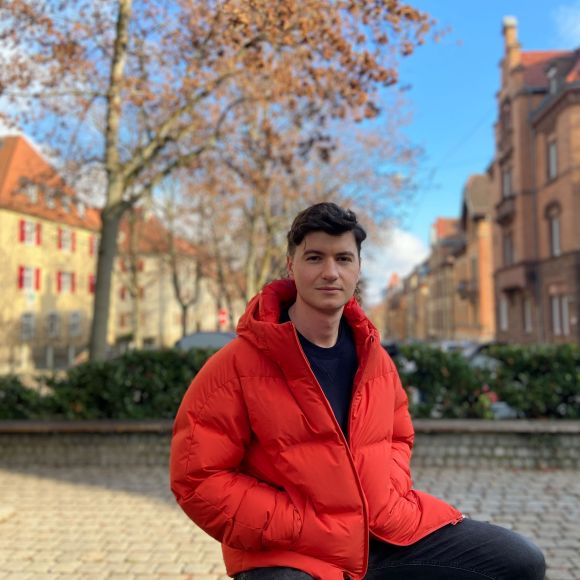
(320, 253)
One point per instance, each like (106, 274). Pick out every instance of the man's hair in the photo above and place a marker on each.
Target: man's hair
(324, 217)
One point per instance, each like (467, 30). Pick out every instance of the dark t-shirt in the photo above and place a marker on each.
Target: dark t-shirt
(334, 368)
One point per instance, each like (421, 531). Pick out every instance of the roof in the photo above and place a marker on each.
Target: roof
(444, 227)
(22, 167)
(536, 64)
(476, 197)
(151, 235)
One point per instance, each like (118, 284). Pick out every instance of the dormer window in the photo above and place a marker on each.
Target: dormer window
(66, 203)
(50, 198)
(30, 190)
(552, 79)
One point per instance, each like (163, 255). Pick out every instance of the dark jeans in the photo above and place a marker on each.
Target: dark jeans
(471, 550)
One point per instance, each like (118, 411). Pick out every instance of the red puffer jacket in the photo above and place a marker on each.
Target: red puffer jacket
(260, 463)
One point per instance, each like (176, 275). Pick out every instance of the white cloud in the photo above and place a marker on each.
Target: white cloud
(567, 19)
(396, 251)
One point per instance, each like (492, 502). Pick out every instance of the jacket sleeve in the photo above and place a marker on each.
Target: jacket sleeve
(210, 434)
(403, 437)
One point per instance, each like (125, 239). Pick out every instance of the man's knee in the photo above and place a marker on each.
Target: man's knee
(528, 562)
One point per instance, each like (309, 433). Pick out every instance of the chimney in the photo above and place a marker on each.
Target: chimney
(512, 46)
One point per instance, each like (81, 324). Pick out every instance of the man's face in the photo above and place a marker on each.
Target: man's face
(326, 270)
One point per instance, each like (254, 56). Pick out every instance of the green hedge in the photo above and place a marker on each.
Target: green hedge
(537, 382)
(445, 385)
(542, 381)
(138, 385)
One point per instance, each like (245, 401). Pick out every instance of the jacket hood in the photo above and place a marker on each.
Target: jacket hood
(260, 322)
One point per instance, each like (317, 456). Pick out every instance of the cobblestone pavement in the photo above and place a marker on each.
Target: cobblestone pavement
(123, 523)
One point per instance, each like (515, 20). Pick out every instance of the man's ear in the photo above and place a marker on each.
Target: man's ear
(289, 266)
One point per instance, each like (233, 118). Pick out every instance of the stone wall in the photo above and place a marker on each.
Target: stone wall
(513, 444)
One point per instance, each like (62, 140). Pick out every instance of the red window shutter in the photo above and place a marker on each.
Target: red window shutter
(38, 234)
(140, 265)
(92, 284)
(59, 282)
(59, 243)
(73, 282)
(22, 230)
(37, 279)
(122, 293)
(74, 241)
(21, 277)
(91, 245)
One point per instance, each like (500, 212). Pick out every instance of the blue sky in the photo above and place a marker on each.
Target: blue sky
(452, 87)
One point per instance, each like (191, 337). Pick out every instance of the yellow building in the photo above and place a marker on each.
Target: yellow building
(146, 310)
(48, 252)
(48, 242)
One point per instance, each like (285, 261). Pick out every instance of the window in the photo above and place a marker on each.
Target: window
(553, 79)
(553, 213)
(81, 209)
(508, 249)
(503, 313)
(66, 240)
(50, 197)
(29, 278)
(30, 233)
(74, 328)
(65, 282)
(506, 182)
(552, 160)
(528, 324)
(53, 325)
(31, 191)
(560, 315)
(27, 326)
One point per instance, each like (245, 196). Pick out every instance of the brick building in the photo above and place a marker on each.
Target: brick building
(474, 311)
(536, 183)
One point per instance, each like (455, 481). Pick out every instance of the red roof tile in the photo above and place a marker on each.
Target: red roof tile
(20, 164)
(535, 64)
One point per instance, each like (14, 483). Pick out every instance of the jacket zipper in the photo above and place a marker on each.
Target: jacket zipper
(346, 446)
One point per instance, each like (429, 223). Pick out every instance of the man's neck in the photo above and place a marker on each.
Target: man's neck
(320, 328)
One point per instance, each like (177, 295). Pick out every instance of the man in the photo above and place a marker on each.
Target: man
(292, 445)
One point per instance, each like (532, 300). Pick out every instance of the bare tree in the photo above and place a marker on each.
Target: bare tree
(142, 89)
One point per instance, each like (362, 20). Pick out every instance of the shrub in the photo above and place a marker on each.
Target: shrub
(137, 385)
(540, 381)
(448, 387)
(18, 401)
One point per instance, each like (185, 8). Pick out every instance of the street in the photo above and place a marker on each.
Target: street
(58, 523)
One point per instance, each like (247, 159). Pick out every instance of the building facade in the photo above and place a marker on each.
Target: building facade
(474, 309)
(48, 242)
(536, 177)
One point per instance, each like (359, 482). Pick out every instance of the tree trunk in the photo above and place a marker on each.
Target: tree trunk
(114, 207)
(111, 218)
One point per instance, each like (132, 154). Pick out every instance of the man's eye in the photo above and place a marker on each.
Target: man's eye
(345, 259)
(312, 258)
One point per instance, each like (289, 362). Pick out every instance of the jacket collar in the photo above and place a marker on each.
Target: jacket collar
(260, 325)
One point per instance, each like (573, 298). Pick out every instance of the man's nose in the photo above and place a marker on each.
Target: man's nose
(330, 270)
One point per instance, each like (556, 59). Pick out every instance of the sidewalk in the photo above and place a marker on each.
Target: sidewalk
(123, 523)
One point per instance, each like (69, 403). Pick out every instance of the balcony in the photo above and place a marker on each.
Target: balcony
(468, 289)
(505, 210)
(515, 277)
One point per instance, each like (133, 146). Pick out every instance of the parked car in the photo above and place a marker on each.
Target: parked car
(205, 339)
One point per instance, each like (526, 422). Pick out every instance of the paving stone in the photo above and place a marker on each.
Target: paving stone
(72, 523)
